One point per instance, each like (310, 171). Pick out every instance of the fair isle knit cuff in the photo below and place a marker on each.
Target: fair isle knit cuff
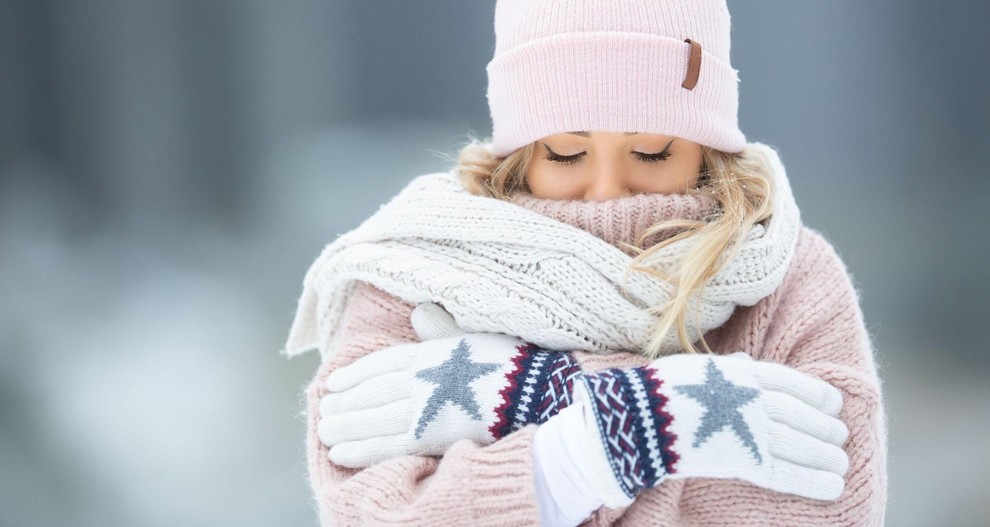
(540, 384)
(633, 423)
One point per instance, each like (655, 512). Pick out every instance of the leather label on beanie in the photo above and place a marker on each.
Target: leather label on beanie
(694, 65)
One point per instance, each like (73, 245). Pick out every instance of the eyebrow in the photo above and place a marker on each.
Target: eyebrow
(586, 134)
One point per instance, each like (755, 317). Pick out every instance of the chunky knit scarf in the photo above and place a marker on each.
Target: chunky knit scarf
(499, 267)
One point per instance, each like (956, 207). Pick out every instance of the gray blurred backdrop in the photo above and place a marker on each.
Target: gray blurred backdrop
(168, 170)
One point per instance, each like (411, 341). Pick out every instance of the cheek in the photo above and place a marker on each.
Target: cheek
(552, 182)
(691, 170)
(685, 173)
(682, 172)
(665, 179)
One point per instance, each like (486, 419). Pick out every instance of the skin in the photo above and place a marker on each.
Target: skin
(607, 165)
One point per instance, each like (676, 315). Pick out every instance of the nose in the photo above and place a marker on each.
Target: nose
(607, 184)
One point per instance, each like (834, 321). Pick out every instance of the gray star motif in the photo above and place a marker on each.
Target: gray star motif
(452, 378)
(722, 401)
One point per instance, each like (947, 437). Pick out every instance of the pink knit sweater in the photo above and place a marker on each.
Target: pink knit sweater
(812, 322)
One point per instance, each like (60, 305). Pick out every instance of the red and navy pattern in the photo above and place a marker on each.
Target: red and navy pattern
(634, 424)
(540, 384)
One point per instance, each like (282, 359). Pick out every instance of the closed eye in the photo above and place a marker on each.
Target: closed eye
(564, 160)
(659, 156)
(642, 156)
(653, 158)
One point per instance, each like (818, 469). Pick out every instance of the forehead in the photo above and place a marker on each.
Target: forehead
(584, 133)
(611, 135)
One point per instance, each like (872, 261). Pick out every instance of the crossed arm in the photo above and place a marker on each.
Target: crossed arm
(494, 484)
(469, 485)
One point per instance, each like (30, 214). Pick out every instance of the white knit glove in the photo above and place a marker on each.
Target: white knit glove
(419, 398)
(715, 416)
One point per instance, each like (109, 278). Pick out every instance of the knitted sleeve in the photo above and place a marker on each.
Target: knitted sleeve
(470, 485)
(813, 323)
(823, 333)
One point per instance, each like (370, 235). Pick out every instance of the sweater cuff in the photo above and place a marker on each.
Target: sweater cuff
(502, 481)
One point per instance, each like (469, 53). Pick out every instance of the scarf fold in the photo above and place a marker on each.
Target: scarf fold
(511, 267)
(621, 221)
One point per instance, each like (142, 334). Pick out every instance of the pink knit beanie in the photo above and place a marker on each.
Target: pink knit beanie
(653, 66)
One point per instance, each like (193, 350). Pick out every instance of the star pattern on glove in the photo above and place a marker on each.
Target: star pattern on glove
(722, 401)
(453, 378)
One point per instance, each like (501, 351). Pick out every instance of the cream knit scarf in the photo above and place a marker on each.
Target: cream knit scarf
(500, 268)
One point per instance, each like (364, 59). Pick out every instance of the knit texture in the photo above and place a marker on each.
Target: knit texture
(811, 322)
(500, 268)
(540, 385)
(622, 220)
(566, 65)
(419, 398)
(634, 423)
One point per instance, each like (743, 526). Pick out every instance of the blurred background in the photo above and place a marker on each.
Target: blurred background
(169, 170)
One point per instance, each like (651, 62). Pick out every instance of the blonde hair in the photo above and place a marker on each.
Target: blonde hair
(743, 193)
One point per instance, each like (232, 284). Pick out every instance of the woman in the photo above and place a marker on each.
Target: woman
(517, 341)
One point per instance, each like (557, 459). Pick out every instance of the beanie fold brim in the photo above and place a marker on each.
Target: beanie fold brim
(610, 81)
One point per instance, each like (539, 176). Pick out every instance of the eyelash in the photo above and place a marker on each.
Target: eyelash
(651, 158)
(570, 160)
